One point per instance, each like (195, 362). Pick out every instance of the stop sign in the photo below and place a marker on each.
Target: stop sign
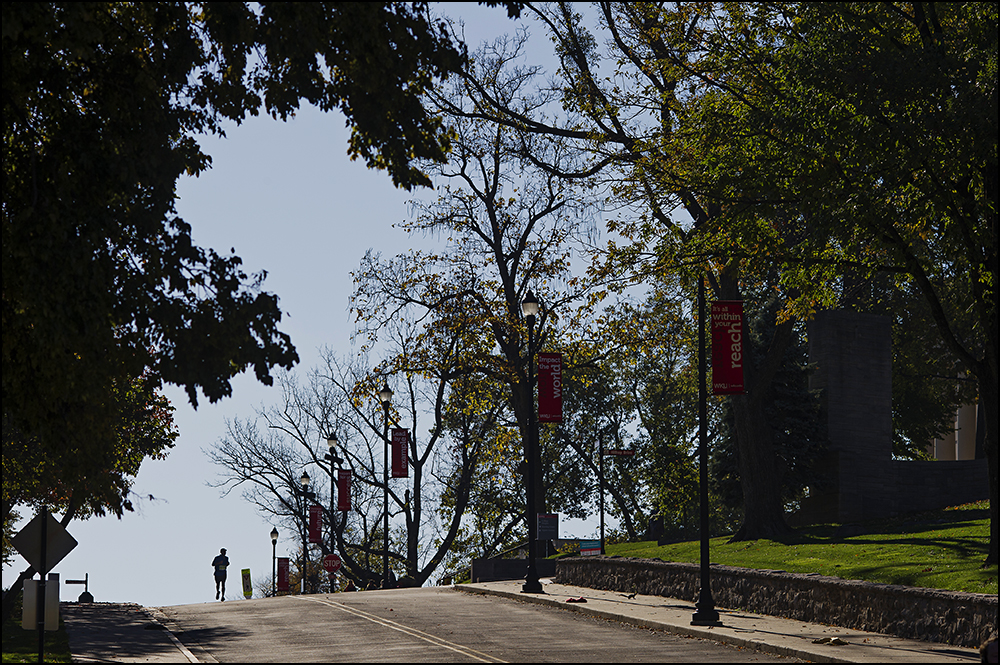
(331, 562)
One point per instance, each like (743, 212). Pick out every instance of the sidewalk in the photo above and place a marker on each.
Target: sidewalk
(773, 635)
(120, 633)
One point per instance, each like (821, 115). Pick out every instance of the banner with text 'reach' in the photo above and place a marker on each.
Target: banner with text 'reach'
(343, 489)
(400, 452)
(550, 388)
(727, 347)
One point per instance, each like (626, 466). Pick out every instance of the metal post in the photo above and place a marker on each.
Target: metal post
(385, 500)
(40, 600)
(706, 614)
(531, 582)
(600, 473)
(306, 497)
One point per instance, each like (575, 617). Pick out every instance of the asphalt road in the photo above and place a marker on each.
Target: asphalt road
(424, 625)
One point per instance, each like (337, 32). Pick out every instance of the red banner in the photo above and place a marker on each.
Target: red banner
(727, 347)
(315, 522)
(283, 574)
(549, 387)
(343, 489)
(400, 452)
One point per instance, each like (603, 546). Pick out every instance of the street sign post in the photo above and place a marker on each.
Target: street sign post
(43, 542)
(614, 452)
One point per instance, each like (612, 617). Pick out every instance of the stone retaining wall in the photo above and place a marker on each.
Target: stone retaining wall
(962, 619)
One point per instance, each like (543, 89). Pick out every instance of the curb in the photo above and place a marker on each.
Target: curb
(169, 627)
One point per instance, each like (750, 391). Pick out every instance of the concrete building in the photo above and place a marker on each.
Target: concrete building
(853, 355)
(961, 443)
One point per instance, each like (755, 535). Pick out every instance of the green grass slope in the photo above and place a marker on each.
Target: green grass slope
(942, 549)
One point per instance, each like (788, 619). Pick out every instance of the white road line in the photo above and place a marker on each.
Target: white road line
(437, 641)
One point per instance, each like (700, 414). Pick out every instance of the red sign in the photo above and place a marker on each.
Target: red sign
(621, 452)
(343, 489)
(315, 520)
(400, 452)
(331, 563)
(550, 387)
(727, 347)
(283, 574)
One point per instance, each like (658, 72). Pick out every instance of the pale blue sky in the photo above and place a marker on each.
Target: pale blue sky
(288, 200)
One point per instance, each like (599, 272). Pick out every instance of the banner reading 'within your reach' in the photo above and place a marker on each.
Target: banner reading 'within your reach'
(727, 347)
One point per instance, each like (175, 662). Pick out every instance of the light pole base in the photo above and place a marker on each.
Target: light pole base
(532, 586)
(707, 617)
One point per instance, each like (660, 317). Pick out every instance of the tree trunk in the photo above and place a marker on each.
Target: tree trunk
(763, 512)
(988, 396)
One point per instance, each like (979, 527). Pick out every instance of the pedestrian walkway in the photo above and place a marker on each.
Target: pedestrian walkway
(774, 635)
(120, 633)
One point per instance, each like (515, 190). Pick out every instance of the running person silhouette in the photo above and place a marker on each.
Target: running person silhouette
(220, 563)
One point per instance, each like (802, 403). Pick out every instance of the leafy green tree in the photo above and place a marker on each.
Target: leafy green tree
(66, 480)
(101, 106)
(876, 123)
(626, 128)
(810, 140)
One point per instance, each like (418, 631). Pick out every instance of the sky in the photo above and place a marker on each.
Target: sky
(288, 200)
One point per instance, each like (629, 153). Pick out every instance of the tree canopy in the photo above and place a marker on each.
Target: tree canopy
(102, 107)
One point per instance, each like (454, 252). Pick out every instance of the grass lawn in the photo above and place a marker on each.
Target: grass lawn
(943, 549)
(21, 646)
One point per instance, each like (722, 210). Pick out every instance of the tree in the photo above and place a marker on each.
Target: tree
(34, 475)
(508, 228)
(627, 129)
(100, 276)
(768, 124)
(791, 409)
(878, 123)
(342, 399)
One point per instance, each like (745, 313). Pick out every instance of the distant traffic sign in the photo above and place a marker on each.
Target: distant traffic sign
(332, 563)
(619, 452)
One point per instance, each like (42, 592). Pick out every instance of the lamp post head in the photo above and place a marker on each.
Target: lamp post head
(304, 480)
(274, 536)
(385, 395)
(331, 441)
(530, 306)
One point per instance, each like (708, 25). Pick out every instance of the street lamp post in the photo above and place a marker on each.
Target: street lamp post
(385, 396)
(706, 615)
(274, 561)
(306, 496)
(530, 309)
(331, 457)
